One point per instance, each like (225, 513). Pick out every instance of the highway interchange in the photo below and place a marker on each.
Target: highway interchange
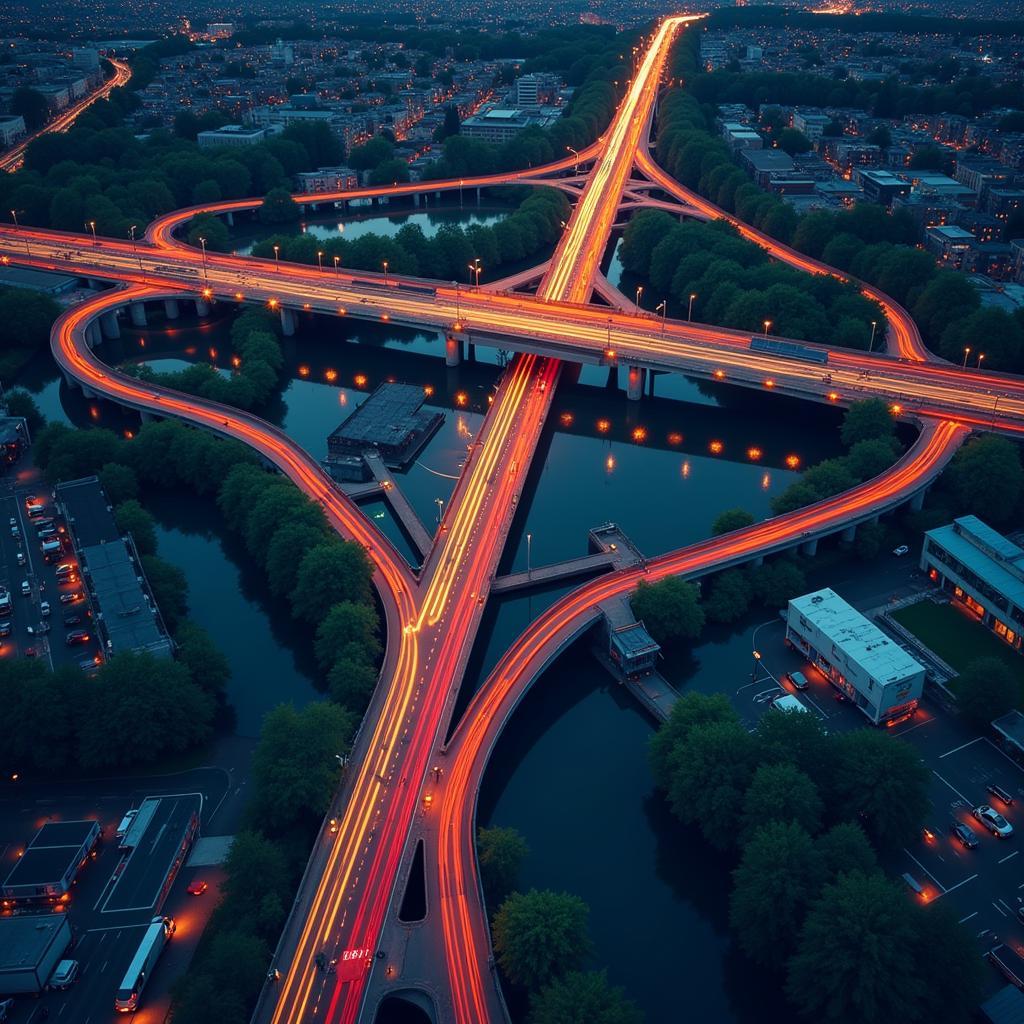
(406, 781)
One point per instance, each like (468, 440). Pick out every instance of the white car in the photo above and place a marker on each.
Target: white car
(993, 821)
(65, 974)
(44, 608)
(25, 588)
(901, 551)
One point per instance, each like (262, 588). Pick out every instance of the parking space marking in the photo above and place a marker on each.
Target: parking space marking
(1003, 860)
(958, 884)
(952, 787)
(1000, 909)
(963, 746)
(998, 750)
(117, 927)
(924, 869)
(964, 920)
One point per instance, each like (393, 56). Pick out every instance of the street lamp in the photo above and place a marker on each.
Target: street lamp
(277, 257)
(439, 502)
(14, 214)
(385, 271)
(320, 259)
(529, 552)
(92, 227)
(337, 261)
(689, 309)
(458, 312)
(757, 664)
(639, 292)
(767, 327)
(662, 307)
(475, 268)
(981, 355)
(967, 352)
(874, 327)
(202, 242)
(576, 165)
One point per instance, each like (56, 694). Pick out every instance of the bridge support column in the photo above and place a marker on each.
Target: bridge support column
(288, 321)
(93, 336)
(137, 311)
(88, 393)
(202, 307)
(111, 328)
(635, 384)
(94, 284)
(171, 309)
(810, 548)
(471, 352)
(230, 218)
(452, 351)
(146, 416)
(415, 199)
(478, 195)
(849, 535)
(917, 501)
(71, 382)
(758, 562)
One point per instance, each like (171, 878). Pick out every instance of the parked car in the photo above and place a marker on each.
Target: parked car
(198, 887)
(21, 558)
(965, 834)
(35, 511)
(993, 821)
(46, 531)
(72, 620)
(44, 608)
(25, 588)
(76, 636)
(15, 532)
(798, 679)
(38, 630)
(75, 595)
(5, 629)
(65, 974)
(1000, 794)
(901, 551)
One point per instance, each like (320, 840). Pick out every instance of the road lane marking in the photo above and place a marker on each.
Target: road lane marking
(1008, 856)
(964, 920)
(924, 869)
(952, 787)
(958, 884)
(962, 746)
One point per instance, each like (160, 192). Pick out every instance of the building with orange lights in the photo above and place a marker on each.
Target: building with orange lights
(47, 870)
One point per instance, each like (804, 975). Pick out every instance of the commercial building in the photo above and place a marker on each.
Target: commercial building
(46, 871)
(501, 124)
(326, 179)
(811, 124)
(631, 650)
(982, 571)
(858, 659)
(85, 59)
(1010, 732)
(950, 243)
(30, 947)
(12, 128)
(881, 186)
(125, 616)
(231, 135)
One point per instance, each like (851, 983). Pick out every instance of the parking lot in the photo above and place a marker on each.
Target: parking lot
(984, 883)
(118, 893)
(40, 598)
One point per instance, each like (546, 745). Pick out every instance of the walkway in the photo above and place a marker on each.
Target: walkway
(395, 497)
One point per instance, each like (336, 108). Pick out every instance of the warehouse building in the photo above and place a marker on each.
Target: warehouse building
(982, 571)
(31, 945)
(865, 665)
(49, 866)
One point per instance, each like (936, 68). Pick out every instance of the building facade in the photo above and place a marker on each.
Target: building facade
(982, 571)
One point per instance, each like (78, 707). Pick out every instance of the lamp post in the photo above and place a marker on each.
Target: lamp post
(757, 665)
(458, 311)
(337, 261)
(689, 309)
(277, 257)
(92, 227)
(14, 214)
(981, 355)
(576, 164)
(202, 242)
(529, 553)
(609, 333)
(767, 327)
(662, 307)
(439, 502)
(871, 344)
(475, 268)
(385, 271)
(320, 259)
(639, 292)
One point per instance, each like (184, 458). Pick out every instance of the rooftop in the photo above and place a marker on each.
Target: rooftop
(24, 940)
(986, 552)
(859, 639)
(88, 511)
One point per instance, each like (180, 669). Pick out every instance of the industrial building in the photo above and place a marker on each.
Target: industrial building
(125, 615)
(501, 124)
(30, 947)
(233, 135)
(46, 871)
(982, 571)
(865, 665)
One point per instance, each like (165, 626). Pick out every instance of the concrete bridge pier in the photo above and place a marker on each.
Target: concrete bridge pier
(452, 351)
(171, 309)
(478, 192)
(415, 199)
(94, 283)
(471, 352)
(288, 321)
(146, 416)
(71, 381)
(810, 548)
(111, 328)
(917, 501)
(849, 535)
(202, 307)
(88, 393)
(93, 336)
(137, 312)
(230, 218)
(635, 384)
(758, 562)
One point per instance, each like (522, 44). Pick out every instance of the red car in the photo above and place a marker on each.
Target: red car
(197, 888)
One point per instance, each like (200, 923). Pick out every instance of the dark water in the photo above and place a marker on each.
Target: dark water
(571, 771)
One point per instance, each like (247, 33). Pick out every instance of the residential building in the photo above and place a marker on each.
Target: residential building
(812, 124)
(501, 124)
(231, 135)
(869, 668)
(950, 244)
(880, 186)
(85, 59)
(764, 165)
(12, 128)
(326, 179)
(982, 571)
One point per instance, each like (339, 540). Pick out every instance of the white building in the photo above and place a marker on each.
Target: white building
(231, 135)
(860, 661)
(499, 124)
(12, 128)
(85, 59)
(811, 124)
(326, 179)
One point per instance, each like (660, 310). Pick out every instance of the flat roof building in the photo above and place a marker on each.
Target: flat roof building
(501, 124)
(30, 947)
(231, 135)
(857, 658)
(881, 186)
(48, 868)
(982, 571)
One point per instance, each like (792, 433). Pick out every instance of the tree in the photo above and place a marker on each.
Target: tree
(690, 711)
(731, 519)
(775, 583)
(278, 207)
(988, 689)
(501, 852)
(866, 421)
(389, 172)
(669, 609)
(211, 230)
(992, 333)
(844, 847)
(582, 997)
(857, 937)
(206, 663)
(351, 682)
(770, 893)
(331, 572)
(451, 124)
(21, 403)
(26, 318)
(132, 518)
(881, 137)
(31, 105)
(288, 545)
(348, 629)
(798, 740)
(253, 856)
(540, 935)
(867, 459)
(781, 792)
(295, 770)
(728, 596)
(987, 479)
(169, 587)
(792, 141)
(883, 783)
(119, 482)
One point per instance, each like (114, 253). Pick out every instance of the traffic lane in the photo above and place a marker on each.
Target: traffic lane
(25, 609)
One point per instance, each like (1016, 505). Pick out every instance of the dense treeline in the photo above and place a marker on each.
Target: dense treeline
(447, 256)
(259, 360)
(25, 321)
(867, 241)
(803, 812)
(736, 285)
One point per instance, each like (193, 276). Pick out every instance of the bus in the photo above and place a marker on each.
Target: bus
(158, 934)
